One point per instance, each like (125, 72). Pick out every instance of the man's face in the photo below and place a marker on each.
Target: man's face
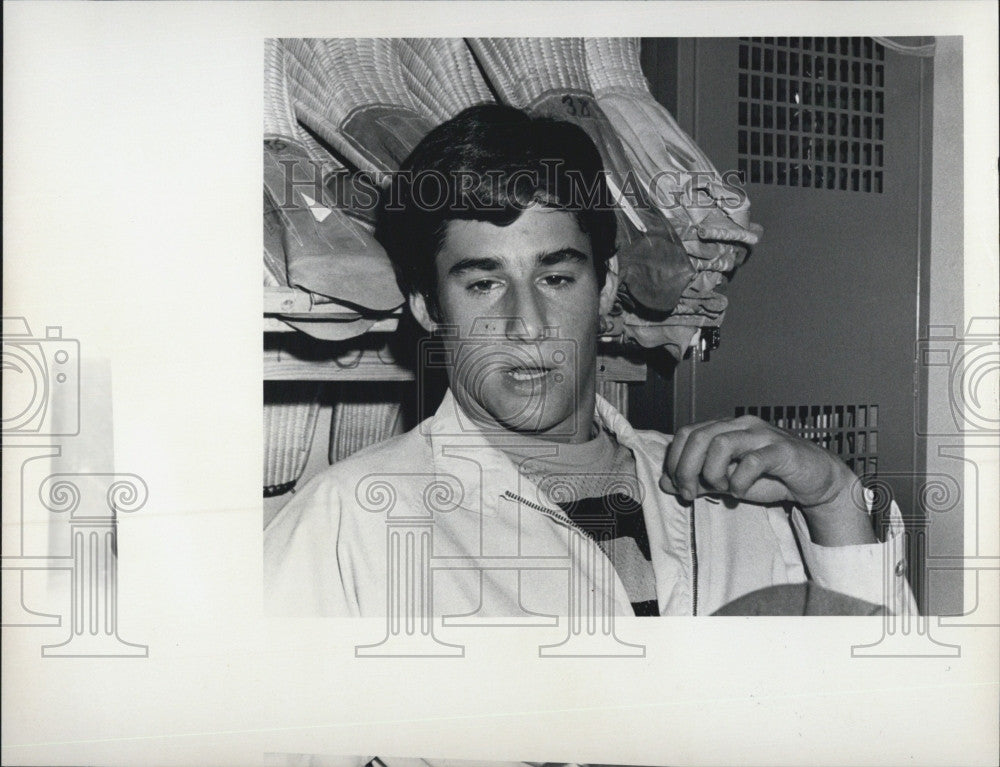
(520, 305)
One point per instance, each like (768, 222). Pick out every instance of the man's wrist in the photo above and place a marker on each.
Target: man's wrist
(840, 521)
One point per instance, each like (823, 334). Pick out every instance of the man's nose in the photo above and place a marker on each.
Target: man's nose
(526, 319)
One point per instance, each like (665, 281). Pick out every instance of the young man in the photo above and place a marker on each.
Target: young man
(525, 489)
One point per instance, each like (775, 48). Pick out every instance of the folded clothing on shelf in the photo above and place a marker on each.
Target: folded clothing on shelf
(701, 305)
(352, 93)
(325, 251)
(309, 240)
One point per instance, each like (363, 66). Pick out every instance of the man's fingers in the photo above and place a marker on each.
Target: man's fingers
(747, 459)
(676, 452)
(675, 449)
(685, 460)
(667, 484)
(752, 468)
(723, 450)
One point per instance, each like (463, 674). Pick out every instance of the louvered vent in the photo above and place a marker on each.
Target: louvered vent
(811, 112)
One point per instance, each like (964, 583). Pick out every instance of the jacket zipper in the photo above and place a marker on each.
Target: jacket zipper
(555, 517)
(694, 567)
(550, 513)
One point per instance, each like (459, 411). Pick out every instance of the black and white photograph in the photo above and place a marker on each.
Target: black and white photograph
(620, 387)
(549, 219)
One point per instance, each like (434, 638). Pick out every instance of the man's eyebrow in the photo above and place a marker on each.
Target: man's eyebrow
(562, 256)
(490, 264)
(473, 265)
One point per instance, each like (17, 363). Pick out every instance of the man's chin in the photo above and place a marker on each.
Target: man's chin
(544, 415)
(537, 421)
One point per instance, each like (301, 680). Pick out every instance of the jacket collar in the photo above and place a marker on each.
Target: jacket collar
(461, 449)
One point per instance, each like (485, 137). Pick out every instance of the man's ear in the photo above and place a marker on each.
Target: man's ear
(418, 306)
(610, 289)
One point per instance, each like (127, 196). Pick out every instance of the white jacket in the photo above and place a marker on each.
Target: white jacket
(443, 501)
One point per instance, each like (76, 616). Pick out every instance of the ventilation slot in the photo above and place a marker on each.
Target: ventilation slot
(811, 112)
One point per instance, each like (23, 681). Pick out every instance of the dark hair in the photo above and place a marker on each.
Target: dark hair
(489, 163)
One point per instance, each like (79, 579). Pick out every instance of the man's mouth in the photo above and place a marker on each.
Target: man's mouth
(527, 374)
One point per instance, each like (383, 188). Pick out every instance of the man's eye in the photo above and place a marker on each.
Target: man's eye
(482, 286)
(558, 280)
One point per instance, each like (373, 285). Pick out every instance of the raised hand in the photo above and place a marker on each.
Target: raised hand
(751, 460)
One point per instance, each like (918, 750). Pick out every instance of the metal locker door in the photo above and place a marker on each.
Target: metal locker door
(833, 135)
